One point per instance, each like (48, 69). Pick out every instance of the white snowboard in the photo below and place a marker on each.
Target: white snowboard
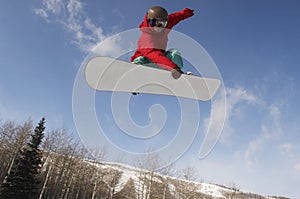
(109, 74)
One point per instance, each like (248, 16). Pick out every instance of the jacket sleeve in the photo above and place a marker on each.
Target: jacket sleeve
(158, 58)
(176, 17)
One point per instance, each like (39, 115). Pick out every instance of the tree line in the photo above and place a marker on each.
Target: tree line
(35, 164)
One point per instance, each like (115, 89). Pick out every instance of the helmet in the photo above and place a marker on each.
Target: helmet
(157, 12)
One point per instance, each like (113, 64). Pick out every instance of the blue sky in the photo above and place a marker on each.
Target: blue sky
(255, 45)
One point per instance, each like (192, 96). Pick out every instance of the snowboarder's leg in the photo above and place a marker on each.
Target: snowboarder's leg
(144, 61)
(175, 56)
(172, 54)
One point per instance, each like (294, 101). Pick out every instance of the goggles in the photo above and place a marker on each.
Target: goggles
(162, 23)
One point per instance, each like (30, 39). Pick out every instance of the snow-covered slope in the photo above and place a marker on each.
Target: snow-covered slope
(147, 181)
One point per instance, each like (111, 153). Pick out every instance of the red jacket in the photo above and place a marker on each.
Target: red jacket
(152, 44)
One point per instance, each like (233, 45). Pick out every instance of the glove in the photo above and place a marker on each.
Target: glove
(188, 12)
(176, 72)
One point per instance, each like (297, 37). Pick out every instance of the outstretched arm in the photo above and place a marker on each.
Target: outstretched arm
(176, 17)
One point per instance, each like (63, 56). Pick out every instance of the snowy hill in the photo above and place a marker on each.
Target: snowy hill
(138, 183)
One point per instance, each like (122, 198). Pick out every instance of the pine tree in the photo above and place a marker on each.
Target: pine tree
(22, 181)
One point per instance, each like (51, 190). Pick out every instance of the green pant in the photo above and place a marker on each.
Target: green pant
(172, 54)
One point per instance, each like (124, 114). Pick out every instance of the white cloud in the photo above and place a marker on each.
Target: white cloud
(74, 7)
(237, 101)
(270, 128)
(54, 6)
(297, 167)
(227, 108)
(254, 147)
(222, 112)
(49, 8)
(286, 149)
(290, 153)
(71, 15)
(42, 13)
(275, 115)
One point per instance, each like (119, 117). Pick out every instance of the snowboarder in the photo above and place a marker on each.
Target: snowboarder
(151, 47)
